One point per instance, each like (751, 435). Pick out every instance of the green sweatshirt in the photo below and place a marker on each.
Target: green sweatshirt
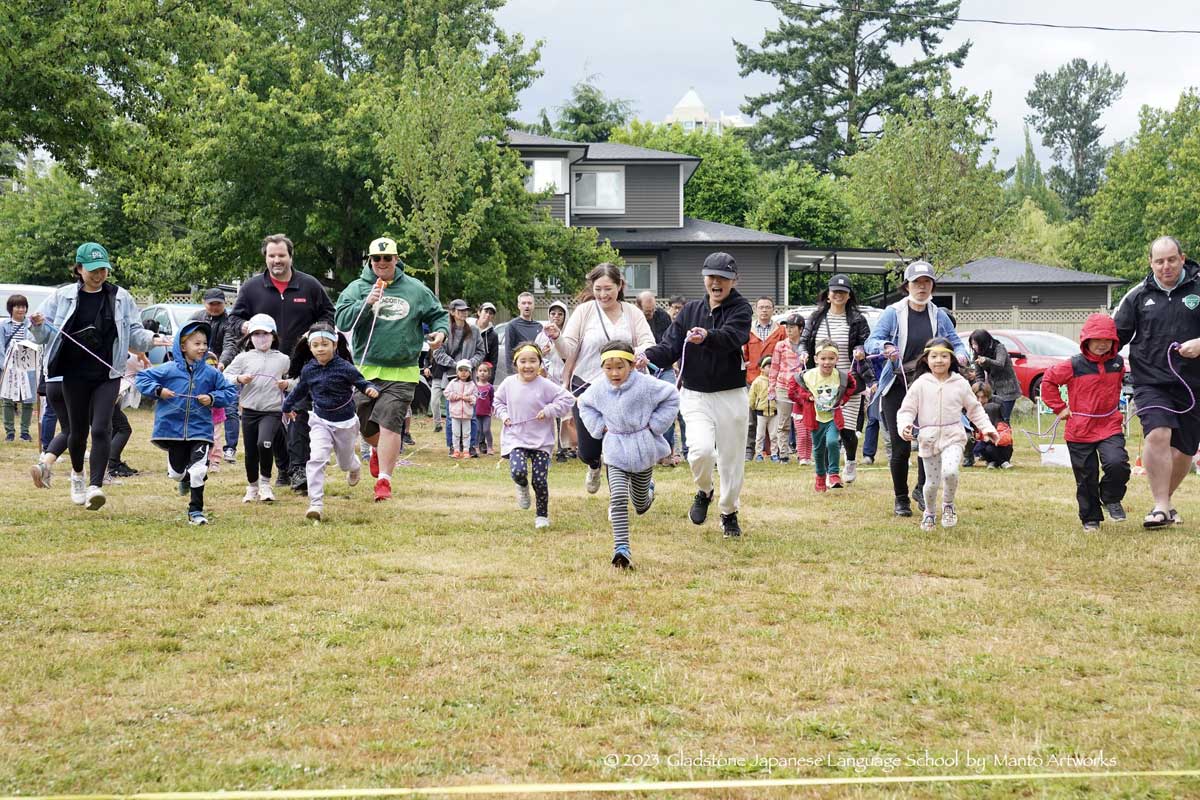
(398, 337)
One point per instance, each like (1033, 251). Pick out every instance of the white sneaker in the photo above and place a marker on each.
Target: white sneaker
(949, 515)
(251, 493)
(541, 522)
(230, 455)
(94, 498)
(592, 481)
(850, 472)
(1006, 465)
(265, 493)
(313, 513)
(522, 497)
(78, 488)
(805, 462)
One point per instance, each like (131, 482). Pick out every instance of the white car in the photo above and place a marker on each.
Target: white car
(36, 295)
(169, 317)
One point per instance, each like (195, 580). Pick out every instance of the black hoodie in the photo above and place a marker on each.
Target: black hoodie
(715, 364)
(1149, 320)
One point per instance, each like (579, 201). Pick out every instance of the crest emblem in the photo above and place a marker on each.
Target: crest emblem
(1191, 301)
(382, 246)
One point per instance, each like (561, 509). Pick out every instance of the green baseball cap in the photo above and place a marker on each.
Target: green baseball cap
(92, 256)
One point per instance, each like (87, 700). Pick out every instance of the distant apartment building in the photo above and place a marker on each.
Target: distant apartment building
(692, 115)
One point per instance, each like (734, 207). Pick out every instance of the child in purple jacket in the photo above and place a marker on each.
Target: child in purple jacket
(484, 394)
(527, 405)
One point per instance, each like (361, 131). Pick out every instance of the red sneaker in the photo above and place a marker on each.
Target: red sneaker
(820, 484)
(383, 489)
(374, 463)
(835, 481)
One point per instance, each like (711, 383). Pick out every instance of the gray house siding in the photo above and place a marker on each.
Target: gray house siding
(980, 297)
(557, 206)
(758, 271)
(651, 199)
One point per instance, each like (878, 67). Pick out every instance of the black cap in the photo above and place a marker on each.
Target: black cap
(794, 319)
(720, 265)
(841, 283)
(214, 294)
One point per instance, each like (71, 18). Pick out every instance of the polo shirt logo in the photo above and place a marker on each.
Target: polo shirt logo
(300, 300)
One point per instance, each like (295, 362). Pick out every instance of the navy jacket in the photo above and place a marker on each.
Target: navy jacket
(331, 387)
(1149, 320)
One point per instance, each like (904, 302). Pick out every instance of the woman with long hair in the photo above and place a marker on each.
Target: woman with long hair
(990, 358)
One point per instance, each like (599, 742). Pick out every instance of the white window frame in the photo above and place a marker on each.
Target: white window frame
(532, 161)
(578, 209)
(640, 261)
(953, 299)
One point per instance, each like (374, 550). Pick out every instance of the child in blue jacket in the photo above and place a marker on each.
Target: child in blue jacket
(188, 390)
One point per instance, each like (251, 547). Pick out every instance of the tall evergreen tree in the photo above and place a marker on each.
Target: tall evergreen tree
(837, 76)
(591, 116)
(1028, 181)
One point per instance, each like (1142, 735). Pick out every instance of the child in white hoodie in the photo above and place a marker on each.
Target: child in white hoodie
(931, 415)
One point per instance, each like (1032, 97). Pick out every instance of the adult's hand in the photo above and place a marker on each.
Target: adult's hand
(890, 352)
(697, 335)
(551, 331)
(37, 318)
(1190, 348)
(436, 340)
(374, 295)
(640, 361)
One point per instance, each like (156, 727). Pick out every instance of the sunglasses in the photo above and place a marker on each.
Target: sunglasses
(383, 258)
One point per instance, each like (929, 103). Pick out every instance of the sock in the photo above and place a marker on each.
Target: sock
(383, 476)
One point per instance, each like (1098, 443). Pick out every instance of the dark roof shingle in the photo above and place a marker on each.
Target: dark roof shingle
(994, 270)
(694, 231)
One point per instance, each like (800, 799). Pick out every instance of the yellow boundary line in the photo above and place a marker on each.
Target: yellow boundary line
(641, 786)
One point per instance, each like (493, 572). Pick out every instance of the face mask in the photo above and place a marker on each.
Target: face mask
(261, 340)
(918, 303)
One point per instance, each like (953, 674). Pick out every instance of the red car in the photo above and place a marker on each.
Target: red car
(1032, 353)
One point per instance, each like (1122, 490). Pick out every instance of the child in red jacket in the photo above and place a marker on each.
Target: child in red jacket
(821, 392)
(1093, 414)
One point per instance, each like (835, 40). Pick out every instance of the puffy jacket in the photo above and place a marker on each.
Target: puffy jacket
(759, 396)
(302, 303)
(936, 408)
(1093, 385)
(1150, 319)
(461, 397)
(631, 418)
(716, 364)
(58, 309)
(398, 338)
(183, 418)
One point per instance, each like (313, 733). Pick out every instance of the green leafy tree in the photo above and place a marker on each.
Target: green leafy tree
(590, 115)
(837, 74)
(1067, 106)
(799, 201)
(722, 187)
(921, 190)
(1148, 192)
(1028, 181)
(42, 223)
(1029, 235)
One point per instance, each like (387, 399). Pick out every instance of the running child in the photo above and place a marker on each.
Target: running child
(763, 408)
(259, 370)
(460, 395)
(630, 411)
(484, 394)
(188, 390)
(527, 405)
(322, 360)
(931, 415)
(1093, 413)
(820, 393)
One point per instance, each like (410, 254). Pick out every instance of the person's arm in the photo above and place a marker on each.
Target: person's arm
(349, 306)
(148, 382)
(1052, 381)
(435, 316)
(1126, 315)
(591, 417)
(567, 342)
(500, 401)
(907, 413)
(852, 388)
(232, 336)
(668, 351)
(808, 335)
(757, 391)
(140, 339)
(773, 372)
(241, 313)
(667, 408)
(797, 392)
(480, 349)
(999, 361)
(884, 333)
(733, 332)
(224, 394)
(298, 394)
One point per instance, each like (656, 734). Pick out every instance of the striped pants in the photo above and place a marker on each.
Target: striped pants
(624, 488)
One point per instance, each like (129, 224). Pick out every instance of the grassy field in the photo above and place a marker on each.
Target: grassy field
(438, 640)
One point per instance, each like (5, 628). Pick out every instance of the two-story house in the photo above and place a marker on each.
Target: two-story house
(634, 197)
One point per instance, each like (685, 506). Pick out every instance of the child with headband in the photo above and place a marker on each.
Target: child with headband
(931, 415)
(820, 393)
(1094, 435)
(527, 405)
(330, 378)
(630, 411)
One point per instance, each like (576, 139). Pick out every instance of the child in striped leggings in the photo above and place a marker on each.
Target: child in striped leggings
(631, 411)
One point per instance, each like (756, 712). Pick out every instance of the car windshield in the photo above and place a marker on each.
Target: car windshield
(1048, 344)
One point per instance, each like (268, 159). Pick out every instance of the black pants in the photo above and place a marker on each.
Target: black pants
(54, 396)
(850, 442)
(1090, 489)
(187, 459)
(297, 442)
(590, 450)
(259, 431)
(90, 408)
(993, 453)
(901, 450)
(122, 430)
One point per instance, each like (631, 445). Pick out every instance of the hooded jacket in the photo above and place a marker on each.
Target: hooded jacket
(716, 364)
(1149, 319)
(631, 418)
(183, 418)
(552, 360)
(755, 348)
(892, 328)
(406, 305)
(1093, 385)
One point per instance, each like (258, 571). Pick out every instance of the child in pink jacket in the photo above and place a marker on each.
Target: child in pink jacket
(461, 394)
(931, 414)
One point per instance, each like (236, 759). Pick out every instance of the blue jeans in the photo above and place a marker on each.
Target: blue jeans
(870, 442)
(49, 422)
(1006, 409)
(232, 425)
(449, 437)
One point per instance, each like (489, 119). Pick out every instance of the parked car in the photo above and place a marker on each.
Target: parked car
(169, 316)
(870, 312)
(1032, 353)
(35, 294)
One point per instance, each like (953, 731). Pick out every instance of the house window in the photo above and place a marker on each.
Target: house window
(599, 190)
(945, 301)
(641, 274)
(544, 173)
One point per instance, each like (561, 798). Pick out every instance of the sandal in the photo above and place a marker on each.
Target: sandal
(1156, 519)
(1175, 518)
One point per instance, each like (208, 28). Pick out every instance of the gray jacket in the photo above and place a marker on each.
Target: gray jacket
(1000, 374)
(464, 342)
(260, 394)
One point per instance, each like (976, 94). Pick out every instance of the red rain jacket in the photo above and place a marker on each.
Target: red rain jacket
(1093, 385)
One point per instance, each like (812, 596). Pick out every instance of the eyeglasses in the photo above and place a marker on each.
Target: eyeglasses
(383, 258)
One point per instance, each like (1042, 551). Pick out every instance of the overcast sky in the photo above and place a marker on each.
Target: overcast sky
(652, 51)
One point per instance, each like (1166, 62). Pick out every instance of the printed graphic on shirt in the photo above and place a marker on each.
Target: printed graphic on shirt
(823, 397)
(1191, 301)
(392, 308)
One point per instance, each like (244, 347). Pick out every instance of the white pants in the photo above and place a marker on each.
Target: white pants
(941, 471)
(716, 430)
(325, 438)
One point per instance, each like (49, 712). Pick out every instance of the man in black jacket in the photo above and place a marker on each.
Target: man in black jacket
(706, 337)
(295, 300)
(1160, 320)
(218, 323)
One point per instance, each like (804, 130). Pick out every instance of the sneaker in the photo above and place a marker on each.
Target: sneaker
(123, 470)
(437, 428)
(25, 437)
(902, 508)
(757, 457)
(1116, 512)
(197, 518)
(592, 482)
(730, 528)
(10, 437)
(774, 458)
(928, 523)
(230, 455)
(473, 453)
(299, 482)
(383, 490)
(78, 488)
(523, 502)
(851, 472)
(353, 476)
(408, 440)
(95, 498)
(313, 513)
(620, 560)
(1006, 465)
(541, 522)
(819, 485)
(805, 462)
(949, 515)
(699, 510)
(835, 481)
(41, 474)
(868, 460)
(561, 457)
(1091, 527)
(264, 492)
(919, 496)
(374, 463)
(108, 477)
(251, 495)
(784, 459)
(282, 480)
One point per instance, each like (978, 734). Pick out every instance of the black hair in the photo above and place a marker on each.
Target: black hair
(150, 325)
(616, 344)
(923, 359)
(522, 345)
(983, 343)
(823, 304)
(302, 355)
(15, 300)
(678, 300)
(248, 344)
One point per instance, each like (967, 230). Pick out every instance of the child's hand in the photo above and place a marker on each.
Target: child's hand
(1066, 412)
(244, 379)
(165, 394)
(507, 423)
(204, 399)
(907, 433)
(372, 393)
(282, 384)
(992, 436)
(290, 416)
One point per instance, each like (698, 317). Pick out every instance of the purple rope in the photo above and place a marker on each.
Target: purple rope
(1191, 394)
